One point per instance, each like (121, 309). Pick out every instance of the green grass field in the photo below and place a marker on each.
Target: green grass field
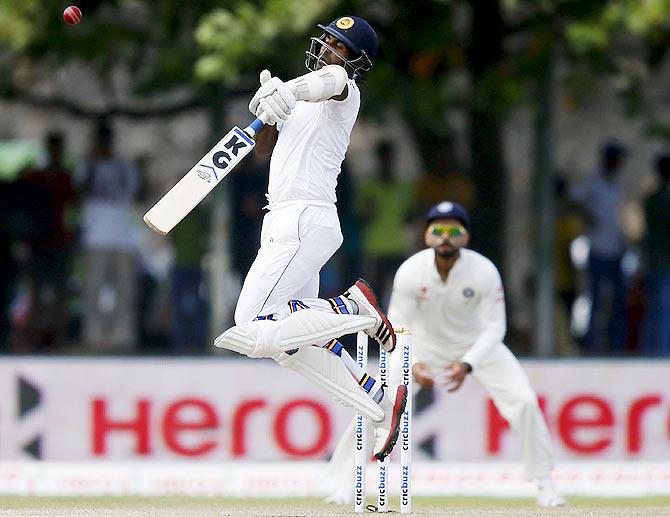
(450, 506)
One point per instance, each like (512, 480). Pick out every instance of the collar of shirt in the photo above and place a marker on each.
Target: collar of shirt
(435, 274)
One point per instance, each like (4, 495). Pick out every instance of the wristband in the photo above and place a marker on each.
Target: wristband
(468, 367)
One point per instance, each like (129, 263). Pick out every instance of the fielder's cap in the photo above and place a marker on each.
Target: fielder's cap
(448, 210)
(614, 150)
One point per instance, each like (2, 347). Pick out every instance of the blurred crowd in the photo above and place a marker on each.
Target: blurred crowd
(73, 281)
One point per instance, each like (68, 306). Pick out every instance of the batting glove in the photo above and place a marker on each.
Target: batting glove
(266, 88)
(274, 98)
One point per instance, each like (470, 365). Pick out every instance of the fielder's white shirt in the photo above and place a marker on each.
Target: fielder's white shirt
(307, 157)
(463, 317)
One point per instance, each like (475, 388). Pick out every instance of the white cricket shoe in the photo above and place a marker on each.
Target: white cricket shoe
(387, 430)
(547, 496)
(363, 295)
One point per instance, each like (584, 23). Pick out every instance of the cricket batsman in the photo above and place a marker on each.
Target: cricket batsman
(278, 314)
(452, 300)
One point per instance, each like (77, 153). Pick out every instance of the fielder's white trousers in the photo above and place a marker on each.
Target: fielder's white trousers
(507, 384)
(505, 381)
(296, 242)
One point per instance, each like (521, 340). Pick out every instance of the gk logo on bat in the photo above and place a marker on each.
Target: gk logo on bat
(223, 155)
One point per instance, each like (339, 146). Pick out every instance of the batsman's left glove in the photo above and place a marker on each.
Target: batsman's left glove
(274, 97)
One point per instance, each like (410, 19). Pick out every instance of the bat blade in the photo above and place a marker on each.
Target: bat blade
(199, 181)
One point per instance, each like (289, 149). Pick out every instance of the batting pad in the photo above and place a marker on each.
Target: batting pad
(268, 338)
(315, 327)
(329, 372)
(255, 339)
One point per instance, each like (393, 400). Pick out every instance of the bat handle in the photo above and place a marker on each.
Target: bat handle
(257, 124)
(264, 117)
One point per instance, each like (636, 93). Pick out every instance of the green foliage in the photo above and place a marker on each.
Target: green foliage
(423, 68)
(152, 40)
(17, 23)
(624, 40)
(617, 18)
(236, 39)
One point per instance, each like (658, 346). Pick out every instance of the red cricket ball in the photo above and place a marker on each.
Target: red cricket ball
(72, 15)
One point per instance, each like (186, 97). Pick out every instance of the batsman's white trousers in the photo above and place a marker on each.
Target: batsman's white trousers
(505, 381)
(297, 239)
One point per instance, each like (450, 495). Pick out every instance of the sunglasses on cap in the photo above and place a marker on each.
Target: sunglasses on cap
(446, 230)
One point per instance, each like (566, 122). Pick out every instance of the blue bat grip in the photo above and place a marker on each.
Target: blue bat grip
(257, 125)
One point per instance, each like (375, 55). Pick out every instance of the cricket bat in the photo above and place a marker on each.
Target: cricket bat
(203, 177)
(315, 86)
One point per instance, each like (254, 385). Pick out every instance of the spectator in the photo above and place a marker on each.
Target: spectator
(191, 313)
(441, 179)
(7, 262)
(599, 199)
(383, 203)
(567, 227)
(49, 263)
(656, 325)
(109, 186)
(25, 216)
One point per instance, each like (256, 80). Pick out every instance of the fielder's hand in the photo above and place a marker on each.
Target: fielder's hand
(422, 375)
(456, 375)
(273, 98)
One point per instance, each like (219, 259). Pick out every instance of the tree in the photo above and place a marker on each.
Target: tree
(427, 49)
(479, 58)
(152, 42)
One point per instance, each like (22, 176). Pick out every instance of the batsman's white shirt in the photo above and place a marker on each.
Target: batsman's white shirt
(302, 230)
(312, 143)
(462, 317)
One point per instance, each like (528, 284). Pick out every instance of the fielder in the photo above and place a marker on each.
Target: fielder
(452, 300)
(278, 314)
